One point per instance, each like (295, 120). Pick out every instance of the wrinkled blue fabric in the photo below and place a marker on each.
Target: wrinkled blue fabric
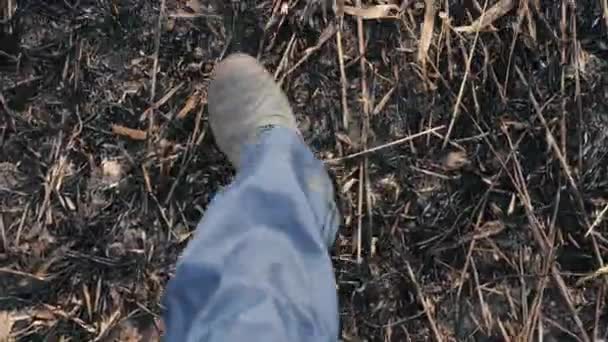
(258, 268)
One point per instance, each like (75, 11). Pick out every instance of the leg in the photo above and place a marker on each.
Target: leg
(258, 268)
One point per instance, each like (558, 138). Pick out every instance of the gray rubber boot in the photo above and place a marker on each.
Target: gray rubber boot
(243, 99)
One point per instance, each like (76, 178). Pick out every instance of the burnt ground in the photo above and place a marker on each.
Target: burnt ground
(474, 233)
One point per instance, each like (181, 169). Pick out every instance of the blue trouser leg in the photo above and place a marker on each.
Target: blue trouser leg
(258, 268)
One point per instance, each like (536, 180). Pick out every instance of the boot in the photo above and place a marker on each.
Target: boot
(244, 99)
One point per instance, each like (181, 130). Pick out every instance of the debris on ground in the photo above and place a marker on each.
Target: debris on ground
(468, 141)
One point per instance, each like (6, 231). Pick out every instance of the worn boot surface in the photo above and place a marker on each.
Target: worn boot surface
(243, 100)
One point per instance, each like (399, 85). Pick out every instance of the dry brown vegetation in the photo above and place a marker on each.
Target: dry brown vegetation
(468, 140)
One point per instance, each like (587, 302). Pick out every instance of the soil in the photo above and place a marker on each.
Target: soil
(489, 224)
